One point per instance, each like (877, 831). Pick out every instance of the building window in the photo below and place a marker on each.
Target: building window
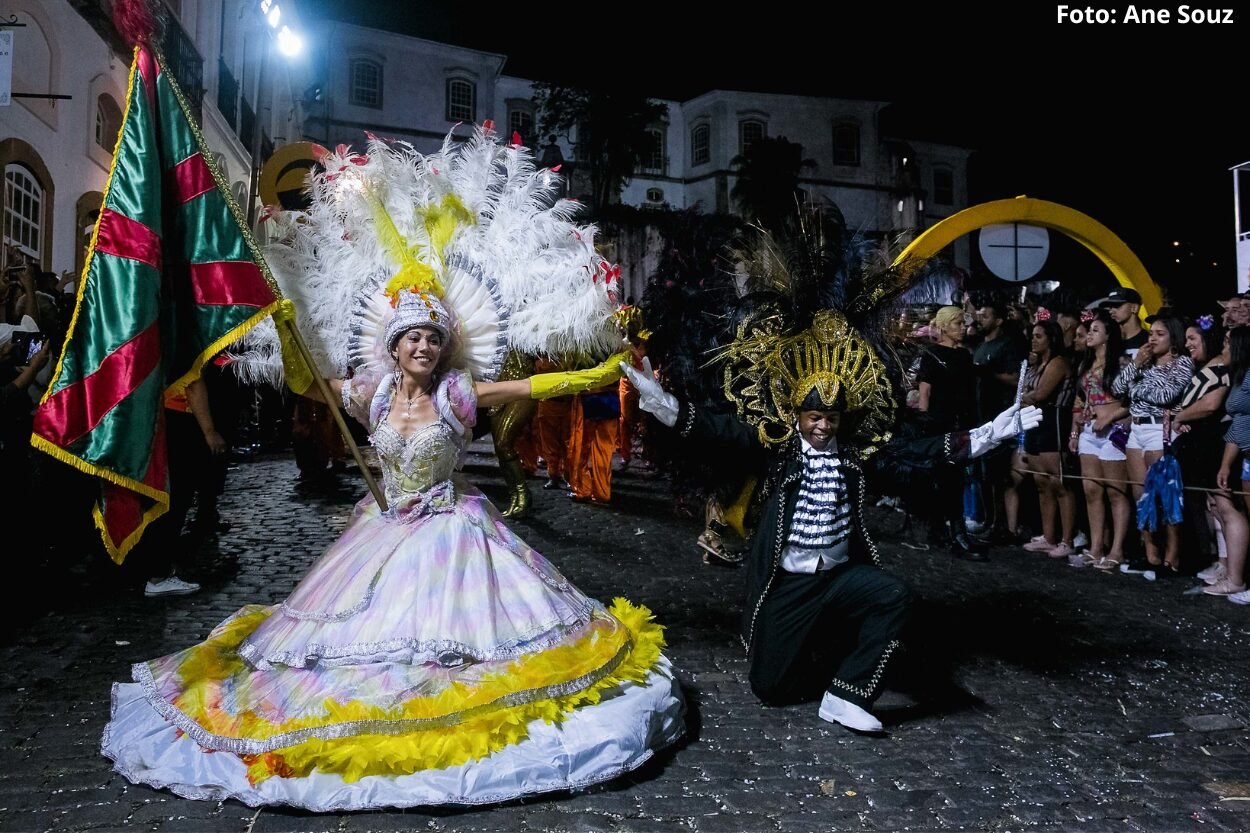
(461, 100)
(108, 121)
(366, 86)
(653, 156)
(700, 145)
(521, 122)
(101, 122)
(750, 132)
(845, 144)
(943, 186)
(23, 211)
(655, 195)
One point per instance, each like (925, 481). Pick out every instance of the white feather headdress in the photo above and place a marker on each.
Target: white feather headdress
(476, 223)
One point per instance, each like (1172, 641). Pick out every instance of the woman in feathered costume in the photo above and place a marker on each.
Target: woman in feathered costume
(430, 656)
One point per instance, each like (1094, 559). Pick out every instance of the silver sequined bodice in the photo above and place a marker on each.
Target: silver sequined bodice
(413, 464)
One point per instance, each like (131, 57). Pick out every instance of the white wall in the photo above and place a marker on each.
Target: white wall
(58, 52)
(414, 79)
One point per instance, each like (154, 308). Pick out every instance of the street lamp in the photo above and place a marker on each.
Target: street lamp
(289, 44)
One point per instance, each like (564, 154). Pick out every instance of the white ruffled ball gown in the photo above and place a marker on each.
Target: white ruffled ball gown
(429, 657)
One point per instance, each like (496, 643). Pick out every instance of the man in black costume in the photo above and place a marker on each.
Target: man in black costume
(820, 613)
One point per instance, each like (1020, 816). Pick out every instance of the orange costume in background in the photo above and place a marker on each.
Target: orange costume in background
(552, 423)
(593, 427)
(551, 426)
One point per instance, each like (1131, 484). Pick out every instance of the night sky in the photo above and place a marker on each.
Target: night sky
(1133, 125)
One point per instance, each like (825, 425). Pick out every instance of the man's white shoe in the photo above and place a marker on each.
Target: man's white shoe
(837, 710)
(172, 586)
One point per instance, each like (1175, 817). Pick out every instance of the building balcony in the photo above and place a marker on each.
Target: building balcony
(227, 95)
(184, 61)
(247, 124)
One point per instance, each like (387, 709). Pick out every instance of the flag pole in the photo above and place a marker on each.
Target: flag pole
(331, 400)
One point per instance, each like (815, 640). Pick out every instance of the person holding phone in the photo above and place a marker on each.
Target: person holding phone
(26, 345)
(17, 374)
(20, 279)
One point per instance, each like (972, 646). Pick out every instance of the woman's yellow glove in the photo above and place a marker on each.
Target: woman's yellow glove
(548, 385)
(299, 376)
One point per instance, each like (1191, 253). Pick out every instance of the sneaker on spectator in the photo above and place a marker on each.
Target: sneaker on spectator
(1039, 544)
(1080, 542)
(1214, 573)
(975, 527)
(1224, 587)
(172, 586)
(1242, 598)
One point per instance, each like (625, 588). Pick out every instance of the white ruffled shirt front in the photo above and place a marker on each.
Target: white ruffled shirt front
(835, 519)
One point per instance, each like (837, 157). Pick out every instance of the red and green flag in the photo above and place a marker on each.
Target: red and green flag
(172, 277)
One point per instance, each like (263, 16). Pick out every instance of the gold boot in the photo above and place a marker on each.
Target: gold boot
(518, 492)
(519, 504)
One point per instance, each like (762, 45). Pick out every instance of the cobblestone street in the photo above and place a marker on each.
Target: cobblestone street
(1053, 699)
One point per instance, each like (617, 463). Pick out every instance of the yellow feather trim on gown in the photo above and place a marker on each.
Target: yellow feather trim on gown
(479, 724)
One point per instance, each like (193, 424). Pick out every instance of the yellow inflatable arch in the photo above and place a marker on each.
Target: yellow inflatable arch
(1082, 228)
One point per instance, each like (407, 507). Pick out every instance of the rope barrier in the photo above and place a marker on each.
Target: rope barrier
(1223, 492)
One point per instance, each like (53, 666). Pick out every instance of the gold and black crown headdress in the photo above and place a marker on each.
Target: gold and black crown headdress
(818, 327)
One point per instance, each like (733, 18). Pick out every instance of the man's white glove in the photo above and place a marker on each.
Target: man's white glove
(1010, 423)
(651, 397)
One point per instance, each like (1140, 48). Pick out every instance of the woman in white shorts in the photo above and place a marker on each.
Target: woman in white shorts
(1152, 383)
(1103, 463)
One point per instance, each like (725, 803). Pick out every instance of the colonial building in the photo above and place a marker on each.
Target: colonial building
(418, 90)
(400, 87)
(252, 99)
(880, 183)
(56, 152)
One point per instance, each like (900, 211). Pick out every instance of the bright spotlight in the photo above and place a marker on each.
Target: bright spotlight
(289, 43)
